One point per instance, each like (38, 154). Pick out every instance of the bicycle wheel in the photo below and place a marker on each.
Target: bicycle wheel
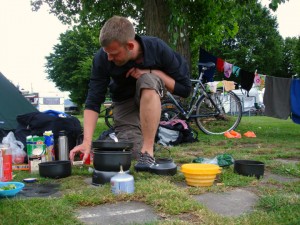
(214, 121)
(168, 111)
(109, 118)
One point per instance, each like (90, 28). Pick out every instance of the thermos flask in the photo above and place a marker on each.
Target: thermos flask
(63, 148)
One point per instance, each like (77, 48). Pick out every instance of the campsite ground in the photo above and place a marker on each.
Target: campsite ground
(277, 145)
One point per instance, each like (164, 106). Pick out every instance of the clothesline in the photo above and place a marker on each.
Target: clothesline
(281, 96)
(247, 79)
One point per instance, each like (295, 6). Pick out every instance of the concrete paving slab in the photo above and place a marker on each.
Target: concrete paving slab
(233, 203)
(267, 176)
(117, 214)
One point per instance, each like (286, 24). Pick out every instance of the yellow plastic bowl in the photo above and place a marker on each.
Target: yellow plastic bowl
(198, 168)
(200, 176)
(199, 183)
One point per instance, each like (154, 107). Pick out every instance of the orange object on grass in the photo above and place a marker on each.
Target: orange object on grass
(250, 134)
(235, 134)
(228, 135)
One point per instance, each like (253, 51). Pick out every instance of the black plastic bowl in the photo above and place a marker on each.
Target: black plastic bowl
(55, 169)
(112, 160)
(249, 168)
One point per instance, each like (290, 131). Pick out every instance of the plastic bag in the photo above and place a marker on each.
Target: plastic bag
(220, 160)
(17, 148)
(206, 160)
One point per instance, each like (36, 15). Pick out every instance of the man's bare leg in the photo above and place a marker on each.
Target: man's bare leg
(150, 111)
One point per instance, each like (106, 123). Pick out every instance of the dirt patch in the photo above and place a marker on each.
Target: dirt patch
(189, 218)
(290, 160)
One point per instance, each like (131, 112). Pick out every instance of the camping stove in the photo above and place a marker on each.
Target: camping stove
(103, 177)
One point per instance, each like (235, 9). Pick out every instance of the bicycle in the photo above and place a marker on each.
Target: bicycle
(108, 116)
(213, 112)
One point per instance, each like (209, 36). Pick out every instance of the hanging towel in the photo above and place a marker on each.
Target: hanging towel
(262, 81)
(277, 97)
(257, 80)
(227, 69)
(228, 85)
(204, 58)
(212, 86)
(236, 70)
(247, 80)
(220, 65)
(295, 100)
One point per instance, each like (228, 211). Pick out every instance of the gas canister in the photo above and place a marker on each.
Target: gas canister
(122, 183)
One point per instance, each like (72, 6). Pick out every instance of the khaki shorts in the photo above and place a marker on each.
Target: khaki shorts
(126, 113)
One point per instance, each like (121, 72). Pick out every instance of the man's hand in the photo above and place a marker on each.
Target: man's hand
(136, 73)
(83, 148)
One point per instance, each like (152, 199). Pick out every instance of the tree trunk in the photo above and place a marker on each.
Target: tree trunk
(157, 16)
(156, 19)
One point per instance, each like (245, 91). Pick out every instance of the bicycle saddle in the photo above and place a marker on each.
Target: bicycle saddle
(207, 65)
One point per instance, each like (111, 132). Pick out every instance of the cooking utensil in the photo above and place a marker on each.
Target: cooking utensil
(249, 168)
(114, 137)
(111, 146)
(55, 169)
(164, 166)
(111, 160)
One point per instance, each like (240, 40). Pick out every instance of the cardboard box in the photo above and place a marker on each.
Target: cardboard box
(22, 166)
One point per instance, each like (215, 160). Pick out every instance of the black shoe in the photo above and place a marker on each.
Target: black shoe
(144, 163)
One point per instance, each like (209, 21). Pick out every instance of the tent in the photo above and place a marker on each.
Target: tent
(12, 104)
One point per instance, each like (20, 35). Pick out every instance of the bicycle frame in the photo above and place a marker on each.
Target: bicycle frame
(195, 96)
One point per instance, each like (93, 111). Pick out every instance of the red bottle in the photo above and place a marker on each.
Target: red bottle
(7, 163)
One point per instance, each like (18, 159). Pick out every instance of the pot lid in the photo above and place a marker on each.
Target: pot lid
(112, 145)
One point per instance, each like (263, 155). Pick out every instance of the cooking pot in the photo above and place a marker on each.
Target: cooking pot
(249, 168)
(111, 160)
(55, 169)
(164, 166)
(111, 146)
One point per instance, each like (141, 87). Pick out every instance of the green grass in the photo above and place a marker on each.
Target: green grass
(278, 203)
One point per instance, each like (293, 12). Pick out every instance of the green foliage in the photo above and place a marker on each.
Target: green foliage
(290, 59)
(69, 65)
(257, 45)
(242, 32)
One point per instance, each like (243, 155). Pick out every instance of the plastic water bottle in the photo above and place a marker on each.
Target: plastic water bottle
(63, 147)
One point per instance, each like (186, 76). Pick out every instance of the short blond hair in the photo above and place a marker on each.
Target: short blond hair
(118, 29)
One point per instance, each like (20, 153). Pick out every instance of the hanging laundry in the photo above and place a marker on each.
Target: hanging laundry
(227, 69)
(247, 79)
(262, 81)
(295, 100)
(277, 97)
(228, 85)
(212, 86)
(220, 65)
(204, 58)
(257, 80)
(236, 70)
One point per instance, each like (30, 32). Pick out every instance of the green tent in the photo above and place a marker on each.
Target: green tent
(12, 104)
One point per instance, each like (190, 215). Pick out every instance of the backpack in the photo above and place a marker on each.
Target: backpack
(174, 132)
(36, 123)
